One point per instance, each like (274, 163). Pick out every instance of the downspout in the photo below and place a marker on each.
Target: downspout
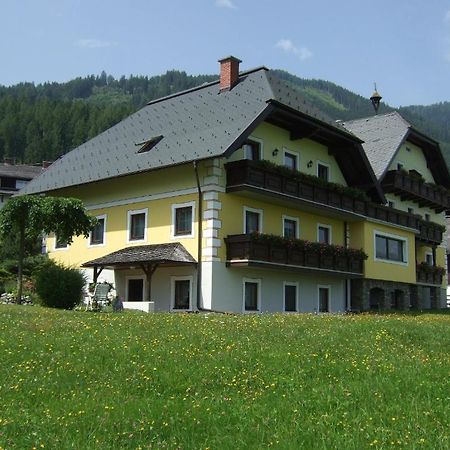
(199, 238)
(348, 302)
(199, 247)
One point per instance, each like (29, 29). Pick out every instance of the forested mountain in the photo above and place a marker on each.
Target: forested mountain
(42, 122)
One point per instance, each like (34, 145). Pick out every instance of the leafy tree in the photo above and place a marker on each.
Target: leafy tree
(29, 216)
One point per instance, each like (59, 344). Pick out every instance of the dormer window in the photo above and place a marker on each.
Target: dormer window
(252, 150)
(148, 145)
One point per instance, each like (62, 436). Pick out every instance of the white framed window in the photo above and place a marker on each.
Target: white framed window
(290, 296)
(390, 248)
(400, 165)
(290, 227)
(181, 293)
(324, 235)
(427, 217)
(251, 295)
(137, 225)
(253, 149)
(429, 258)
(97, 236)
(410, 210)
(323, 171)
(135, 288)
(182, 220)
(60, 244)
(323, 298)
(253, 220)
(290, 159)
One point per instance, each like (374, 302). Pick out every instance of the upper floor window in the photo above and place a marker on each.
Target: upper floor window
(182, 220)
(252, 220)
(137, 225)
(390, 248)
(391, 204)
(60, 243)
(323, 171)
(290, 160)
(427, 217)
(97, 235)
(324, 234)
(411, 210)
(400, 166)
(252, 150)
(290, 227)
(21, 183)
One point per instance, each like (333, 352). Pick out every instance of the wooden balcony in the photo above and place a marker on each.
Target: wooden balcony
(429, 274)
(281, 254)
(245, 175)
(412, 187)
(430, 232)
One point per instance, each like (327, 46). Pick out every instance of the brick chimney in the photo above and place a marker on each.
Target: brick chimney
(229, 72)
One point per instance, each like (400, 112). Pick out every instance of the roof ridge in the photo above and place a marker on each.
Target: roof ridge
(203, 86)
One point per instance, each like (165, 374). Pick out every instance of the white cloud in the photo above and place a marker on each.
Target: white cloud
(287, 46)
(225, 4)
(94, 43)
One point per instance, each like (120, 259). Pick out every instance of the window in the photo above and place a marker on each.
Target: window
(429, 258)
(324, 299)
(400, 166)
(290, 160)
(252, 220)
(21, 183)
(391, 204)
(411, 210)
(181, 293)
(290, 227)
(182, 220)
(97, 235)
(251, 295)
(290, 297)
(323, 171)
(390, 248)
(135, 289)
(252, 150)
(137, 225)
(427, 217)
(324, 234)
(60, 243)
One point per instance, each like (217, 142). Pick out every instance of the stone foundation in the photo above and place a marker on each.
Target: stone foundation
(377, 295)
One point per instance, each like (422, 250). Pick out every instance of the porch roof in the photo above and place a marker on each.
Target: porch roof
(171, 254)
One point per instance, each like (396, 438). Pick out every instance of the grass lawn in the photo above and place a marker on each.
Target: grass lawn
(113, 381)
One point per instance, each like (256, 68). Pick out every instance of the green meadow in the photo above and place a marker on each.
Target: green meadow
(193, 381)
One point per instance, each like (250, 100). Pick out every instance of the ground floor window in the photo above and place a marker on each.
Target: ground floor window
(135, 290)
(181, 293)
(290, 297)
(251, 295)
(324, 299)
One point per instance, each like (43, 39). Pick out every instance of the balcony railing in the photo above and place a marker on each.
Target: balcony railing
(430, 232)
(263, 250)
(429, 274)
(252, 175)
(411, 187)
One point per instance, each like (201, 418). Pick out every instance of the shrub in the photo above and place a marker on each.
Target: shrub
(59, 287)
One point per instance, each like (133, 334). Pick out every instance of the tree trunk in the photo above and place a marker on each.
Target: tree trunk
(20, 263)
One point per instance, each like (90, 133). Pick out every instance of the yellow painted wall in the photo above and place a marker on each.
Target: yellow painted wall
(232, 216)
(273, 137)
(159, 220)
(132, 187)
(362, 236)
(412, 159)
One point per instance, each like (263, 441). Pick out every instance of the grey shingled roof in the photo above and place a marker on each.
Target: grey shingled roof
(382, 135)
(21, 171)
(170, 253)
(195, 124)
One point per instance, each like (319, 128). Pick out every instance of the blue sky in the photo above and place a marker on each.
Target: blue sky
(403, 45)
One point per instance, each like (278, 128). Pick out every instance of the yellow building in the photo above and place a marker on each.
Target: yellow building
(239, 196)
